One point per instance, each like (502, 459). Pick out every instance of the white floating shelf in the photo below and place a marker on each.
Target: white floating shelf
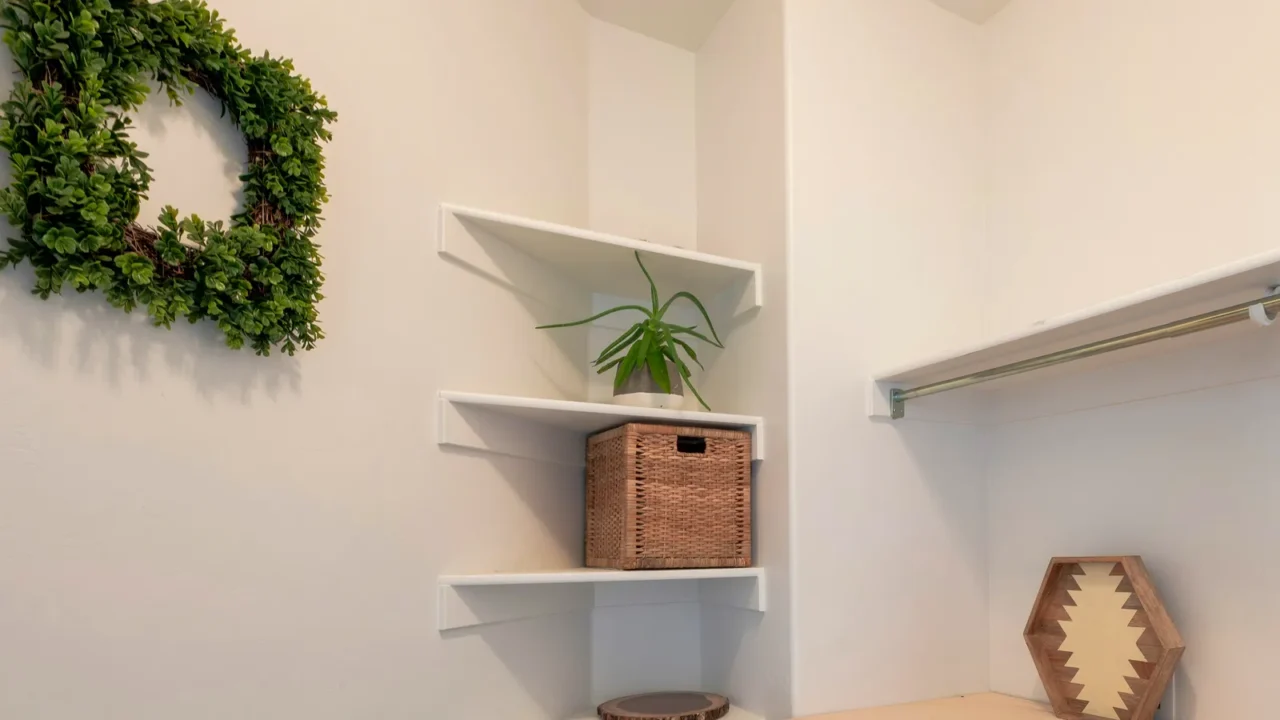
(596, 262)
(469, 600)
(1237, 282)
(594, 575)
(556, 430)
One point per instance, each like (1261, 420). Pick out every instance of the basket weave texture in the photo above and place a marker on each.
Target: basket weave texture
(666, 497)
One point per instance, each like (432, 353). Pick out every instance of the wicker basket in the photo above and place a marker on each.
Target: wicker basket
(668, 497)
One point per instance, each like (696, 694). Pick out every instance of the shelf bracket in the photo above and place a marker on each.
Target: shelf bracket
(479, 428)
(468, 606)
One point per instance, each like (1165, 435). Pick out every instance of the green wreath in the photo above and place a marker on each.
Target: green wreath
(78, 180)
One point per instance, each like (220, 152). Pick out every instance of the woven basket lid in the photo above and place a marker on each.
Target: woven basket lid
(666, 706)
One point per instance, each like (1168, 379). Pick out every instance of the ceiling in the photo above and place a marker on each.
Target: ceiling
(976, 10)
(683, 23)
(687, 23)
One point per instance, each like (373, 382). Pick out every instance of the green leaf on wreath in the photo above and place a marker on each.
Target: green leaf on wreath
(77, 178)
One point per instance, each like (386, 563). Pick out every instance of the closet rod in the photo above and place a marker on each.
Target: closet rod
(1236, 313)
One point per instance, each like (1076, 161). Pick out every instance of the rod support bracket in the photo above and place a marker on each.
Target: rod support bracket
(882, 400)
(1258, 313)
(897, 404)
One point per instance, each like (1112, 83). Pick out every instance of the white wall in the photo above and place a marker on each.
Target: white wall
(289, 568)
(637, 144)
(641, 137)
(1132, 143)
(641, 183)
(1188, 484)
(742, 213)
(190, 532)
(654, 647)
(239, 537)
(886, 209)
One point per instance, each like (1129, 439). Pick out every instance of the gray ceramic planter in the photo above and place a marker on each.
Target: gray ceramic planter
(641, 390)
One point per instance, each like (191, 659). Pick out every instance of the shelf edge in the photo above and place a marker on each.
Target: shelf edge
(752, 273)
(600, 237)
(468, 605)
(1125, 302)
(489, 429)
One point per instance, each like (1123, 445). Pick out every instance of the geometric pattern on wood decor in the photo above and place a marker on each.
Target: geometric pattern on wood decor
(1101, 639)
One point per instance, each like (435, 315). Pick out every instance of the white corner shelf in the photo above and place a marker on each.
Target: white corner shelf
(556, 430)
(1237, 282)
(595, 261)
(596, 575)
(470, 600)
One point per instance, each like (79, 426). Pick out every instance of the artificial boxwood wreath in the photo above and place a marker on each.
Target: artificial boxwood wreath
(78, 179)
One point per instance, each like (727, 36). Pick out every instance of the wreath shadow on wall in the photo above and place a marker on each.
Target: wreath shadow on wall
(77, 179)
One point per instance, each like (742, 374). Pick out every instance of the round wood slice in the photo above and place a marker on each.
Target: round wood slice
(666, 706)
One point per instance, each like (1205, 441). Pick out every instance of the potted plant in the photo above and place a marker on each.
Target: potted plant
(650, 371)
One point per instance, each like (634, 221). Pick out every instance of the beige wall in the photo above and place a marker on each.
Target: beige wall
(641, 137)
(742, 213)
(238, 537)
(190, 532)
(887, 208)
(950, 183)
(1134, 143)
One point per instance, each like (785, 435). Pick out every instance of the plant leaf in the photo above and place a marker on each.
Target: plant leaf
(698, 304)
(593, 318)
(658, 367)
(653, 289)
(643, 344)
(680, 330)
(636, 358)
(617, 345)
(78, 178)
(612, 363)
(693, 355)
(614, 353)
(698, 395)
(684, 373)
(670, 349)
(675, 359)
(627, 367)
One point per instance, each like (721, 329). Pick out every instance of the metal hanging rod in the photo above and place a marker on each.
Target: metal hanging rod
(1269, 305)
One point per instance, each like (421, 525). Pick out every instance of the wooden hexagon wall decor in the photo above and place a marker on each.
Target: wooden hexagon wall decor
(1101, 639)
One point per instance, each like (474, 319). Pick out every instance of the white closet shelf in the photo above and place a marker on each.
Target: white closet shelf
(596, 575)
(1248, 279)
(556, 430)
(595, 261)
(470, 600)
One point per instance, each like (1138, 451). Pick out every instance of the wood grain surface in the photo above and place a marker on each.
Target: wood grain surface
(987, 706)
(1101, 639)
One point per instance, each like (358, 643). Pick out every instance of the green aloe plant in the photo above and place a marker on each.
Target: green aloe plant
(652, 341)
